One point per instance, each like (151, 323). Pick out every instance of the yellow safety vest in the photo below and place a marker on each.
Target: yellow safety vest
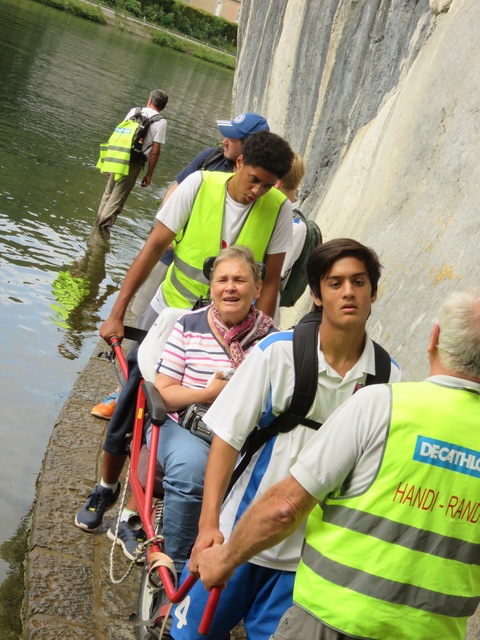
(402, 560)
(202, 237)
(115, 154)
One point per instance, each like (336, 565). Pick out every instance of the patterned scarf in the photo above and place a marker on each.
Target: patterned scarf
(253, 327)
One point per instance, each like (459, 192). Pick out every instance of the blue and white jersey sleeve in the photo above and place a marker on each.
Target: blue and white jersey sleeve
(247, 400)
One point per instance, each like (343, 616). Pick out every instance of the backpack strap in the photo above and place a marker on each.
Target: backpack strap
(146, 121)
(212, 157)
(305, 360)
(382, 366)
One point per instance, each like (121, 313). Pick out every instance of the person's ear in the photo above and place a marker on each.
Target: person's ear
(373, 297)
(316, 300)
(239, 161)
(258, 290)
(434, 338)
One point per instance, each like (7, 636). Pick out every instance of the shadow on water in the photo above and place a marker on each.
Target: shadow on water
(76, 291)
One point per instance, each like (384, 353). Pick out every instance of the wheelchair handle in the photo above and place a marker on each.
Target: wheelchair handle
(115, 344)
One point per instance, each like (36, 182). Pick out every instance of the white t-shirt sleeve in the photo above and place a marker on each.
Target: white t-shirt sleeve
(231, 416)
(345, 453)
(175, 213)
(281, 239)
(159, 131)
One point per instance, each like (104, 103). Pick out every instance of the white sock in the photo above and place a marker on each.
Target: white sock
(126, 513)
(108, 486)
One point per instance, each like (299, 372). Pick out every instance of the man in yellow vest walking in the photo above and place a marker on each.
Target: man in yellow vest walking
(124, 166)
(391, 483)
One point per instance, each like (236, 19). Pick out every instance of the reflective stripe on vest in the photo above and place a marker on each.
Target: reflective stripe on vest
(115, 154)
(202, 237)
(402, 560)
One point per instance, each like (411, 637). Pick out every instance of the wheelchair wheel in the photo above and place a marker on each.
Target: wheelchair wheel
(149, 599)
(148, 603)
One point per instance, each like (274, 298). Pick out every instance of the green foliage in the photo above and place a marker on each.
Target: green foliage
(194, 49)
(130, 6)
(193, 22)
(80, 9)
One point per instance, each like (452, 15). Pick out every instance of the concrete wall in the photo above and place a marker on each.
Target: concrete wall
(382, 100)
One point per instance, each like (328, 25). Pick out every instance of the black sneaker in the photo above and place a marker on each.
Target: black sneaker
(90, 517)
(130, 534)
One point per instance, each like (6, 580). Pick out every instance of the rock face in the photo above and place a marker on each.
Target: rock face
(381, 98)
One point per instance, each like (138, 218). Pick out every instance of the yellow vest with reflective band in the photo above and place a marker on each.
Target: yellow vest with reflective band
(402, 561)
(115, 154)
(202, 237)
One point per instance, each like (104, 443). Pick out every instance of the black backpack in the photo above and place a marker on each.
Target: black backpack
(305, 363)
(137, 155)
(296, 280)
(213, 157)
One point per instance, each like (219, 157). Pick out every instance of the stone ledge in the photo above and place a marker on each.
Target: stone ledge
(68, 593)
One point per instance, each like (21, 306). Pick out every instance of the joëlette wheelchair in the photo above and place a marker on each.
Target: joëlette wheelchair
(146, 477)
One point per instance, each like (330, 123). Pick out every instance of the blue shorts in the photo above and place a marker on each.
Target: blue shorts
(258, 595)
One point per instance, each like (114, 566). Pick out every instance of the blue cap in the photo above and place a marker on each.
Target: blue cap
(242, 126)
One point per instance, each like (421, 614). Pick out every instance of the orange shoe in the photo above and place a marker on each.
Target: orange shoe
(106, 408)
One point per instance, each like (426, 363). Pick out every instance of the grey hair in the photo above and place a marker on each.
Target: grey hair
(243, 253)
(159, 99)
(459, 341)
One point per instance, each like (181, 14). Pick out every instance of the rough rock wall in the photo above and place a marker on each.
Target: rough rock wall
(381, 98)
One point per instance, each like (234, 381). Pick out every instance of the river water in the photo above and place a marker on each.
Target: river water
(65, 84)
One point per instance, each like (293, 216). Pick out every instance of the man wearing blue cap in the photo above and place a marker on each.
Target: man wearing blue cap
(235, 133)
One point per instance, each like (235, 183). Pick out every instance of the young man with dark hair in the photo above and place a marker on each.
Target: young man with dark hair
(117, 191)
(209, 211)
(222, 208)
(391, 485)
(344, 276)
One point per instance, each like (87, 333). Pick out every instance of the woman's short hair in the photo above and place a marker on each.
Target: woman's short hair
(459, 340)
(324, 256)
(292, 179)
(238, 251)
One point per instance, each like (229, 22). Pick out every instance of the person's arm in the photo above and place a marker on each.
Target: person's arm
(177, 397)
(158, 240)
(267, 302)
(220, 465)
(267, 522)
(170, 190)
(152, 163)
(232, 418)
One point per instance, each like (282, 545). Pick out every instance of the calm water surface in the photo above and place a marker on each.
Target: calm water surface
(65, 83)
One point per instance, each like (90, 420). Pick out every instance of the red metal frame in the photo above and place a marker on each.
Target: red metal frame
(144, 500)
